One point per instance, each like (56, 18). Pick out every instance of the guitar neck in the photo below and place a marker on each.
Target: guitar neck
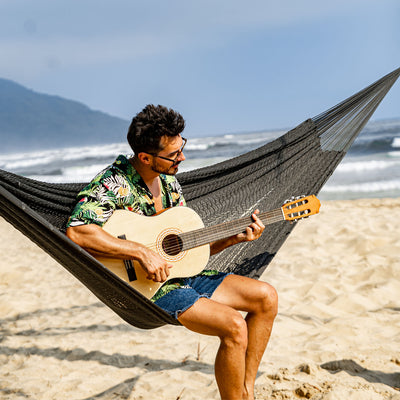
(200, 237)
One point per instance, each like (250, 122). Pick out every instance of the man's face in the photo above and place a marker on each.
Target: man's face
(172, 150)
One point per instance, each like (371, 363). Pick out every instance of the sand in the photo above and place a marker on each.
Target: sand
(337, 335)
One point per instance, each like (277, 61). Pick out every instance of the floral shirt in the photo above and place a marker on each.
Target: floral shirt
(119, 186)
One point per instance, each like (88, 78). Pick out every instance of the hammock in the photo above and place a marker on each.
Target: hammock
(297, 163)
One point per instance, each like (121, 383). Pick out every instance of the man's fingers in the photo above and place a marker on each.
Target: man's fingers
(161, 275)
(257, 221)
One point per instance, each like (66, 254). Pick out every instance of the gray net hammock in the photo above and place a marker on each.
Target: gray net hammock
(297, 163)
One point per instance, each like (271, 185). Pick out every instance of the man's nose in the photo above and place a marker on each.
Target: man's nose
(181, 156)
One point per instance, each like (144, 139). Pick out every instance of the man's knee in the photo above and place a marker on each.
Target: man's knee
(268, 299)
(236, 332)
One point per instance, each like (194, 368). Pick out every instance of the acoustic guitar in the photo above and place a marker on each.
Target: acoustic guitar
(178, 235)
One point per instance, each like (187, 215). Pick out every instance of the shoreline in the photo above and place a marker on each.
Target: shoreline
(337, 334)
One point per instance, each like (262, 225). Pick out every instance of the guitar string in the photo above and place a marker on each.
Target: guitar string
(210, 234)
(229, 229)
(198, 238)
(206, 235)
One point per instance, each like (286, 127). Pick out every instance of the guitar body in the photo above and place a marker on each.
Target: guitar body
(152, 233)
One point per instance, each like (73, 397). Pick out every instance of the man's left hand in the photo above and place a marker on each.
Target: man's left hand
(253, 231)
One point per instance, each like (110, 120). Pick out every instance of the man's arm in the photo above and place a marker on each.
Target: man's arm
(99, 243)
(253, 232)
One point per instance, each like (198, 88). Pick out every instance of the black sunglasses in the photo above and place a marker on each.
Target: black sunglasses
(178, 153)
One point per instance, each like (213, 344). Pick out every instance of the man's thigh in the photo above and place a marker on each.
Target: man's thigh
(243, 293)
(209, 317)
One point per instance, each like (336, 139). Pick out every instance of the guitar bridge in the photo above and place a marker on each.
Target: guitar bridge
(130, 269)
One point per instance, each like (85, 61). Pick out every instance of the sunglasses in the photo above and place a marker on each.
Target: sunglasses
(178, 153)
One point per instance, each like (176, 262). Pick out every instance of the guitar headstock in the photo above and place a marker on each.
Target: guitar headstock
(300, 207)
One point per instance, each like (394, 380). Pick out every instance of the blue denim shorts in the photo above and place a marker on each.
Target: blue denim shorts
(179, 300)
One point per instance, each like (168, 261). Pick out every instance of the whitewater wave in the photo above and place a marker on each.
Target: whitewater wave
(87, 173)
(48, 157)
(367, 165)
(365, 187)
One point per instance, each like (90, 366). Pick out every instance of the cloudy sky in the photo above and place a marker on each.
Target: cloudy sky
(227, 66)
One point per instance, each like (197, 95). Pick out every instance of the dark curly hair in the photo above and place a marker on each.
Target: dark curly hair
(148, 126)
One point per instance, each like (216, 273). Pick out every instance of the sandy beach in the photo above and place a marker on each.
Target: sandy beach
(336, 337)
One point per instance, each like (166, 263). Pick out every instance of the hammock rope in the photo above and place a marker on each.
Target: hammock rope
(297, 163)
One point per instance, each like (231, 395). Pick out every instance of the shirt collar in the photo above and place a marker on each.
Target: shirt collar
(125, 165)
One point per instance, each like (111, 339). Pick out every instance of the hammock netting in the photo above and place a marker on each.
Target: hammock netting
(297, 163)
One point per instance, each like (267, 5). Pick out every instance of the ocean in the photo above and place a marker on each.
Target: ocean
(370, 169)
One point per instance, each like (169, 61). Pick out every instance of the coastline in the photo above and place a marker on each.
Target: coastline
(337, 334)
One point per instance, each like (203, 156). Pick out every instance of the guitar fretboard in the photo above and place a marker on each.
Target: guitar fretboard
(200, 237)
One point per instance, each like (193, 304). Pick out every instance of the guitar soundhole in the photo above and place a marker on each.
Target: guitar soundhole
(172, 245)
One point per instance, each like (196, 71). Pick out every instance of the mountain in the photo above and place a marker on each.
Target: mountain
(30, 121)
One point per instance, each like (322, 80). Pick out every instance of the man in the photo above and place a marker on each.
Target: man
(208, 303)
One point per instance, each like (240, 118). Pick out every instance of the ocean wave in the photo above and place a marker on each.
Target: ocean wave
(59, 179)
(86, 173)
(368, 165)
(365, 187)
(197, 146)
(25, 160)
(71, 175)
(245, 140)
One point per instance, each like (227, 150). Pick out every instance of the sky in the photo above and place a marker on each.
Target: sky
(227, 66)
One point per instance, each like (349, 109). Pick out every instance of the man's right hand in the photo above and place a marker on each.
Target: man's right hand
(155, 266)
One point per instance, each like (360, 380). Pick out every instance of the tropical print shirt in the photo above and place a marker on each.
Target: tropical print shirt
(119, 186)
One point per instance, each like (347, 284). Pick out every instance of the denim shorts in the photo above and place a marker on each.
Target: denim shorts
(179, 300)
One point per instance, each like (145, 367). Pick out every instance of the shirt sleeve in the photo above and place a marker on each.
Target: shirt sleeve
(95, 205)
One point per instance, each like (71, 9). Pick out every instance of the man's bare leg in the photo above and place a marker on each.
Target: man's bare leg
(211, 318)
(243, 342)
(260, 300)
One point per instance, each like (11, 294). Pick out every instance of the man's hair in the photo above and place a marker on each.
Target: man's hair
(148, 126)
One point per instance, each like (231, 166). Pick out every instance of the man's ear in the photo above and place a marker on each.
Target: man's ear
(145, 158)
